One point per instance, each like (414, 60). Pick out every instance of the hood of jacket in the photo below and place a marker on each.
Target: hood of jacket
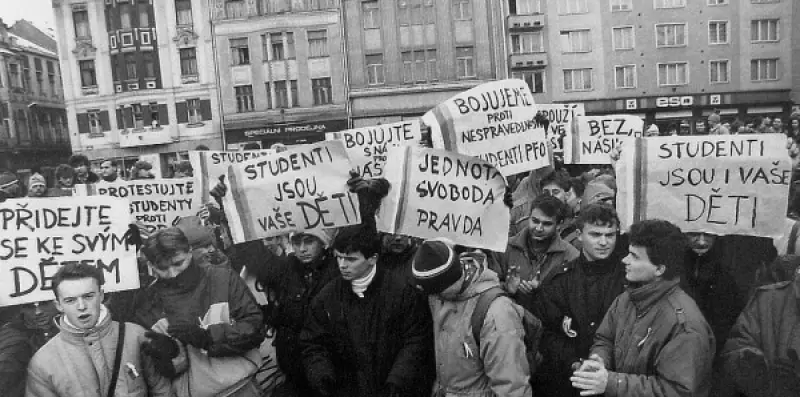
(645, 296)
(73, 334)
(483, 281)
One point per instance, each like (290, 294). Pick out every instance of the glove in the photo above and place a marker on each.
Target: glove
(162, 349)
(508, 200)
(191, 334)
(356, 183)
(390, 390)
(133, 236)
(750, 372)
(220, 190)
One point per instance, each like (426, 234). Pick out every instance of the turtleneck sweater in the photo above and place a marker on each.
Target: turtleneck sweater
(360, 285)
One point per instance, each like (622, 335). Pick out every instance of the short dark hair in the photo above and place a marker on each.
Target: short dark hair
(251, 146)
(77, 160)
(76, 271)
(550, 206)
(664, 242)
(598, 214)
(559, 177)
(165, 243)
(358, 238)
(65, 171)
(112, 161)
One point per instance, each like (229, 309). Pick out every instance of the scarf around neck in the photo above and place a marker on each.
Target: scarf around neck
(360, 285)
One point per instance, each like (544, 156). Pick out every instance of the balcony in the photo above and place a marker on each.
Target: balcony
(530, 60)
(147, 136)
(525, 23)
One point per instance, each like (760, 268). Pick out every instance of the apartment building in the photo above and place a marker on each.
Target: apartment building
(139, 78)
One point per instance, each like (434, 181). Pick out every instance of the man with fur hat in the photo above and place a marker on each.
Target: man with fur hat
(454, 281)
(37, 185)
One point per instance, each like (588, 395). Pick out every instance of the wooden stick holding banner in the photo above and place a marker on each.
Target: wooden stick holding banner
(595, 137)
(302, 188)
(209, 165)
(368, 146)
(436, 193)
(41, 234)
(561, 117)
(494, 121)
(720, 184)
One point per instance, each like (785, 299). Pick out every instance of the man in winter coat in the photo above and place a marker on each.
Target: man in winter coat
(654, 340)
(79, 361)
(397, 254)
(368, 333)
(573, 304)
(15, 353)
(83, 172)
(762, 354)
(208, 325)
(454, 283)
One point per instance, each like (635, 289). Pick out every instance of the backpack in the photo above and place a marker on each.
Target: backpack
(531, 324)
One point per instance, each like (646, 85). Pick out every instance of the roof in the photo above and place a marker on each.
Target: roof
(29, 45)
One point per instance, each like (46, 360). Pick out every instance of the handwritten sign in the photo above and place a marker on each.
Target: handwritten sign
(156, 203)
(302, 188)
(368, 146)
(494, 121)
(561, 117)
(436, 193)
(721, 184)
(596, 136)
(209, 165)
(67, 229)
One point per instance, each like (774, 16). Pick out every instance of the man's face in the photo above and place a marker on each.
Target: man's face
(542, 227)
(38, 315)
(107, 170)
(307, 248)
(80, 301)
(598, 241)
(171, 267)
(700, 127)
(208, 253)
(180, 174)
(701, 243)
(767, 121)
(37, 191)
(552, 189)
(143, 173)
(777, 123)
(795, 123)
(639, 268)
(354, 265)
(82, 169)
(67, 182)
(397, 243)
(713, 123)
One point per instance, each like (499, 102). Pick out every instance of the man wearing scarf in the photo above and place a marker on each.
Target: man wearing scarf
(654, 340)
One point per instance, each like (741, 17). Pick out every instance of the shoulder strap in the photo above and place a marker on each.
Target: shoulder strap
(117, 359)
(790, 245)
(481, 308)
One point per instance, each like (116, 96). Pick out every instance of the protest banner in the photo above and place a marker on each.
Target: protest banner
(436, 193)
(368, 146)
(209, 165)
(561, 117)
(39, 235)
(595, 137)
(720, 184)
(155, 203)
(302, 188)
(494, 121)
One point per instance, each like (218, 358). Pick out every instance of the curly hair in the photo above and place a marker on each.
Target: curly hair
(664, 242)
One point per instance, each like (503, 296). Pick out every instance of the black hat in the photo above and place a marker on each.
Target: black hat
(436, 266)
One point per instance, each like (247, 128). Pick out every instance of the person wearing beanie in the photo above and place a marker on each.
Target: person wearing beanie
(369, 332)
(716, 127)
(37, 186)
(202, 242)
(183, 169)
(141, 170)
(455, 279)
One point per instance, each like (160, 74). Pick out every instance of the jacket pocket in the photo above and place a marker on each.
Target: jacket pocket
(135, 385)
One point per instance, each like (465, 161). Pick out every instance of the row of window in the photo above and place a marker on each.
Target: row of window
(521, 7)
(52, 127)
(239, 8)
(279, 46)
(282, 94)
(131, 61)
(137, 116)
(413, 12)
(19, 76)
(421, 65)
(129, 16)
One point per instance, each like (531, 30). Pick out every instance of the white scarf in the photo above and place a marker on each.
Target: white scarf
(360, 285)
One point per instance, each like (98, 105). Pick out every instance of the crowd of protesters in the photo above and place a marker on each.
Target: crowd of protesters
(572, 307)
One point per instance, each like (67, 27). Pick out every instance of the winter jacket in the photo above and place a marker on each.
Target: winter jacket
(400, 264)
(366, 343)
(15, 354)
(79, 363)
(499, 368)
(228, 310)
(571, 308)
(655, 342)
(770, 325)
(519, 258)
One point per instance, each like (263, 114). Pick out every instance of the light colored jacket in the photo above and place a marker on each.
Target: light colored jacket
(500, 368)
(79, 364)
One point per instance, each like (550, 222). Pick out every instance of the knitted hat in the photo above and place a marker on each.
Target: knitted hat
(322, 235)
(36, 180)
(714, 117)
(197, 234)
(143, 165)
(8, 180)
(435, 266)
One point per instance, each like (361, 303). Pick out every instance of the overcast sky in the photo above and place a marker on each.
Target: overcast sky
(40, 12)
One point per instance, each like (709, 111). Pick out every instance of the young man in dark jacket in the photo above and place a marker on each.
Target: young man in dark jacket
(368, 333)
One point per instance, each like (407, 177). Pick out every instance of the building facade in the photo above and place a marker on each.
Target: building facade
(139, 78)
(672, 62)
(33, 123)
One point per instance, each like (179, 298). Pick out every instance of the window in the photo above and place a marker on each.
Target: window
(94, 122)
(522, 7)
(764, 30)
(138, 116)
(375, 69)
(154, 115)
(244, 98)
(625, 76)
(670, 3)
(465, 62)
(188, 61)
(717, 2)
(130, 66)
(317, 43)
(125, 16)
(433, 67)
(419, 67)
(535, 80)
(370, 14)
(575, 41)
(281, 95)
(295, 96)
(718, 32)
(269, 95)
(578, 79)
(193, 111)
(13, 74)
(764, 69)
(573, 6)
(764, 1)
(183, 12)
(149, 65)
(26, 72)
(718, 72)
(235, 9)
(462, 10)
(623, 38)
(523, 43)
(88, 77)
(416, 12)
(240, 52)
(322, 91)
(621, 5)
(81, 21)
(144, 16)
(37, 65)
(280, 51)
(676, 73)
(671, 35)
(51, 77)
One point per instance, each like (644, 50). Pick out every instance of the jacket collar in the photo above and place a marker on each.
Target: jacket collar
(520, 241)
(372, 289)
(186, 280)
(645, 296)
(74, 335)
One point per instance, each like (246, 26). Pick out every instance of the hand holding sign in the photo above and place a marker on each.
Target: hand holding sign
(367, 146)
(597, 136)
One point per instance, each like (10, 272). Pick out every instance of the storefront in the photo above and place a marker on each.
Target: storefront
(285, 133)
